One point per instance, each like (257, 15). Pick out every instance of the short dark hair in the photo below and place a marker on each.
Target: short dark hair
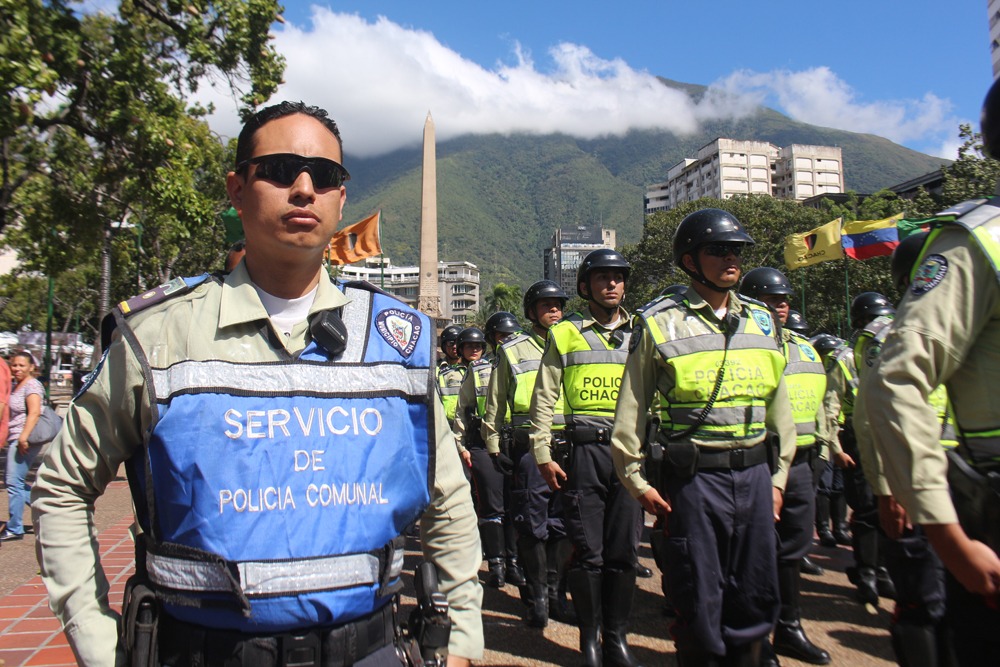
(244, 145)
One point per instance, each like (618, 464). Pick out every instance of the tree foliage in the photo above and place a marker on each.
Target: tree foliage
(103, 157)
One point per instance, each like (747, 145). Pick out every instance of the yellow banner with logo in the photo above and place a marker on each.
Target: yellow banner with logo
(817, 245)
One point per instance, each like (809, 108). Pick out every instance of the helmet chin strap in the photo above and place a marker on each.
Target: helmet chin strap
(700, 277)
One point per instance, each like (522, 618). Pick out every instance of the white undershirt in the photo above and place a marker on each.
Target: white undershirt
(286, 313)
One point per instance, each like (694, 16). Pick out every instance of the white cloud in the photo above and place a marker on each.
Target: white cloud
(819, 97)
(379, 79)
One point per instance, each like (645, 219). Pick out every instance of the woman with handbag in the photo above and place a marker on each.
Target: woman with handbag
(25, 411)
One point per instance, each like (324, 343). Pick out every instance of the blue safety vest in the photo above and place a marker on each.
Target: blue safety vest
(277, 491)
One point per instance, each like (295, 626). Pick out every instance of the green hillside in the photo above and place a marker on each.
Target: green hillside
(501, 197)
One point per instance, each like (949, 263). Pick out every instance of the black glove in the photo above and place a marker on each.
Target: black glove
(503, 463)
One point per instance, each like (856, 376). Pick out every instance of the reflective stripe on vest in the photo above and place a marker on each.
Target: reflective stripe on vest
(481, 371)
(450, 384)
(592, 369)
(753, 368)
(843, 356)
(282, 487)
(524, 356)
(806, 383)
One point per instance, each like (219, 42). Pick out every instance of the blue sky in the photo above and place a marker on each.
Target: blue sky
(909, 70)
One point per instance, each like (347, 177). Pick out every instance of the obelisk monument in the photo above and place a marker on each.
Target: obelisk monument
(428, 297)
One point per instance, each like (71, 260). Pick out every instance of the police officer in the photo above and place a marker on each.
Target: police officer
(716, 364)
(488, 483)
(871, 313)
(271, 488)
(583, 361)
(920, 637)
(451, 371)
(806, 381)
(948, 331)
(830, 503)
(536, 510)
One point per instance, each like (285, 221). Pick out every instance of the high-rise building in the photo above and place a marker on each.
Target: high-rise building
(727, 167)
(567, 250)
(457, 284)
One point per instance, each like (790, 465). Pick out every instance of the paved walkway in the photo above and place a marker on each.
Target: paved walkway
(29, 633)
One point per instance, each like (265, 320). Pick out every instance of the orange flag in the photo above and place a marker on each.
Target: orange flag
(357, 242)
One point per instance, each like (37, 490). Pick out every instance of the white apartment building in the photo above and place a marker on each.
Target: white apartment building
(727, 167)
(458, 284)
(567, 250)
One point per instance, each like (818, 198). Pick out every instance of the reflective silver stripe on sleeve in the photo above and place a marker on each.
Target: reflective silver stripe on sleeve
(285, 380)
(269, 578)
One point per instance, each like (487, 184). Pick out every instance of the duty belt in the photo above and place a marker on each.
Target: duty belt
(187, 644)
(587, 435)
(805, 454)
(731, 459)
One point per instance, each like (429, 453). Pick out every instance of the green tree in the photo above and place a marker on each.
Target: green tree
(103, 157)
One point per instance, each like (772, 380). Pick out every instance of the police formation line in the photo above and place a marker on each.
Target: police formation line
(278, 453)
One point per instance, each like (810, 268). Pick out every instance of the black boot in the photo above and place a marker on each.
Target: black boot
(809, 566)
(768, 658)
(865, 542)
(515, 577)
(491, 533)
(558, 552)
(838, 515)
(618, 590)
(915, 645)
(789, 636)
(747, 655)
(535, 590)
(585, 587)
(826, 537)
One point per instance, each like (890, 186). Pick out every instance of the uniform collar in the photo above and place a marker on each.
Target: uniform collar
(590, 321)
(240, 304)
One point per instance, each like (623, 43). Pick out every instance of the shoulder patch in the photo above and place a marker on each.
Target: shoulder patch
(929, 274)
(763, 321)
(633, 342)
(399, 328)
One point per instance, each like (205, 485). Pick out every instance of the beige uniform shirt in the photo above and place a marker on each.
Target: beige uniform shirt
(646, 373)
(103, 428)
(949, 334)
(871, 462)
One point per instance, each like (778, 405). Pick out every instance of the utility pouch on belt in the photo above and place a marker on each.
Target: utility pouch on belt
(140, 618)
(977, 500)
(681, 459)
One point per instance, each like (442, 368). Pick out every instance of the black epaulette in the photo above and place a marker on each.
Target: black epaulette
(157, 295)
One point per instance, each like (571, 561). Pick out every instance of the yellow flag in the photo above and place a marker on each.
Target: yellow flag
(818, 245)
(357, 242)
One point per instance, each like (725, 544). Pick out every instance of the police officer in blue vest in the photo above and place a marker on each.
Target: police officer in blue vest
(280, 433)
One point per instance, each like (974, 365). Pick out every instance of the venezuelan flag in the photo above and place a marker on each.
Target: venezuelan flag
(864, 239)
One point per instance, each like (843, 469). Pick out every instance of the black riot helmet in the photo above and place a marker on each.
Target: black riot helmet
(602, 258)
(825, 342)
(709, 225)
(765, 280)
(503, 322)
(543, 289)
(471, 335)
(449, 335)
(867, 306)
(904, 257)
(797, 323)
(989, 122)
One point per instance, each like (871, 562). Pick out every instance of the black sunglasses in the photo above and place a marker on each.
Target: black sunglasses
(284, 168)
(723, 249)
